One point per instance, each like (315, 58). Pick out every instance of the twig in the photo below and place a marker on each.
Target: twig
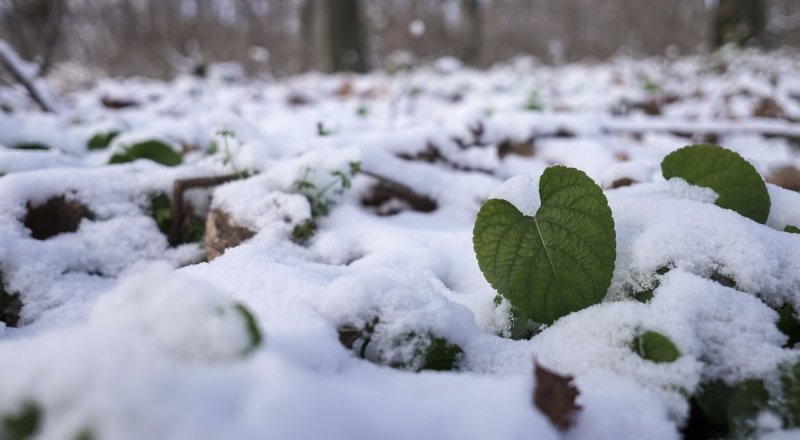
(179, 188)
(25, 73)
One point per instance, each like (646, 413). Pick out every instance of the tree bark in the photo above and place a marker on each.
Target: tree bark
(474, 40)
(739, 22)
(307, 9)
(346, 37)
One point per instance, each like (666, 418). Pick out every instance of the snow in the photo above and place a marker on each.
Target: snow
(128, 337)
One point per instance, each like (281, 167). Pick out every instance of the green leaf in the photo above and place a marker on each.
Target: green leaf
(23, 424)
(789, 403)
(712, 398)
(304, 231)
(84, 434)
(156, 151)
(734, 179)
(252, 327)
(655, 347)
(101, 141)
(733, 410)
(31, 146)
(788, 324)
(520, 327)
(559, 261)
(441, 355)
(644, 296)
(792, 229)
(747, 401)
(161, 211)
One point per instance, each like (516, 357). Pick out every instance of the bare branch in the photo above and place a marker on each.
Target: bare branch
(25, 73)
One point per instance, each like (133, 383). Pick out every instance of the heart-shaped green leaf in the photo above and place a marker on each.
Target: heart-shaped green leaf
(734, 179)
(559, 261)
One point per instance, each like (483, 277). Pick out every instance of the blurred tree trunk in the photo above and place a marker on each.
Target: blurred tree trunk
(307, 9)
(739, 21)
(346, 38)
(474, 39)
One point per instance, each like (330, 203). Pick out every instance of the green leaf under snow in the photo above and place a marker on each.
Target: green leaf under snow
(792, 229)
(733, 410)
(101, 140)
(252, 326)
(156, 151)
(747, 401)
(734, 179)
(789, 325)
(441, 355)
(23, 424)
(559, 261)
(161, 211)
(789, 402)
(655, 347)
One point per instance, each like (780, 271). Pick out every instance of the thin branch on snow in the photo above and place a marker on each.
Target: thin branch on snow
(26, 73)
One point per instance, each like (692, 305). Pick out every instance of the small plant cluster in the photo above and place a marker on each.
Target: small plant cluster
(561, 260)
(193, 228)
(409, 351)
(221, 144)
(319, 198)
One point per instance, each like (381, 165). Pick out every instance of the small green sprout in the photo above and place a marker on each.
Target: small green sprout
(320, 203)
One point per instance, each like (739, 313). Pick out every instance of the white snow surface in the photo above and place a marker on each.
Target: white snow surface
(129, 338)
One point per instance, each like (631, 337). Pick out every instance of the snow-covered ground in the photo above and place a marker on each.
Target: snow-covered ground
(122, 336)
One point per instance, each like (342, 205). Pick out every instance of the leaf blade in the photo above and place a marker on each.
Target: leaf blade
(559, 261)
(655, 347)
(153, 150)
(738, 184)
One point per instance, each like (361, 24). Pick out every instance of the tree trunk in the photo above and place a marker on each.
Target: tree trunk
(307, 9)
(739, 22)
(473, 41)
(346, 38)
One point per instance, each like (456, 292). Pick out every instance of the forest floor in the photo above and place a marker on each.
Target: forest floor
(318, 279)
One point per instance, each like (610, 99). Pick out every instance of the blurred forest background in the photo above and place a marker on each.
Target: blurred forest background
(280, 37)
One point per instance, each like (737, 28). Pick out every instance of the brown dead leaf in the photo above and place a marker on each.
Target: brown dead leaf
(380, 198)
(768, 108)
(622, 156)
(555, 396)
(345, 89)
(786, 177)
(619, 183)
(509, 147)
(117, 103)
